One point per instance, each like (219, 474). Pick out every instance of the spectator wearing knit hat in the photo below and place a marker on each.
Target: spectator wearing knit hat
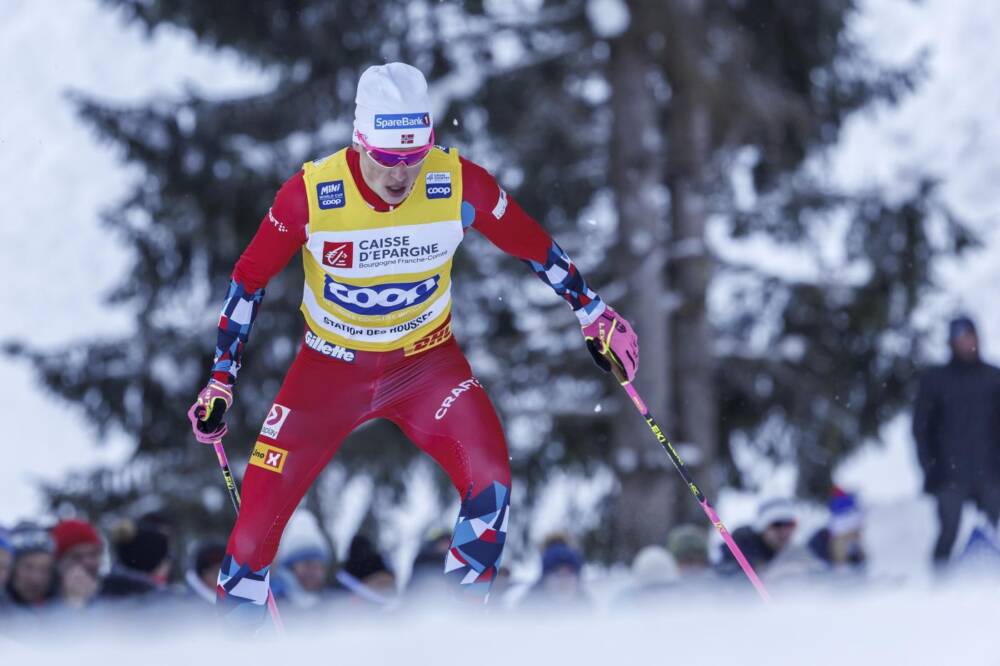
(689, 545)
(764, 540)
(561, 582)
(143, 562)
(78, 551)
(655, 578)
(302, 580)
(364, 579)
(6, 565)
(30, 587)
(838, 544)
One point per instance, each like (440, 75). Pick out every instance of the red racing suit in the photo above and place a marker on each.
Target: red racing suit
(426, 388)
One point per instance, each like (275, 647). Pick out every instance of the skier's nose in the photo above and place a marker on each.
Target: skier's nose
(398, 173)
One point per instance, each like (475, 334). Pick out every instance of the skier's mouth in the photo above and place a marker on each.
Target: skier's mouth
(396, 190)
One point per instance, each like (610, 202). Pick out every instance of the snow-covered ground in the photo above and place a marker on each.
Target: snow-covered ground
(56, 260)
(906, 627)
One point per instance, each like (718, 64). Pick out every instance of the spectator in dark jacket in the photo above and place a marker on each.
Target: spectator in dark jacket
(143, 554)
(956, 425)
(763, 541)
(364, 580)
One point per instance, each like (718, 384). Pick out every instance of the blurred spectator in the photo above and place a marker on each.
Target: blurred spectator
(304, 572)
(956, 425)
(689, 546)
(839, 543)
(655, 577)
(6, 563)
(365, 579)
(78, 551)
(561, 582)
(203, 573)
(763, 541)
(143, 562)
(427, 578)
(502, 585)
(32, 575)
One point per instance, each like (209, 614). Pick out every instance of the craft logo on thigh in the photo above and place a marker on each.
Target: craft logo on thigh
(462, 387)
(275, 419)
(268, 456)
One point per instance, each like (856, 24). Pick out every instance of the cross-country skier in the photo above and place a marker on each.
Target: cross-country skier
(378, 225)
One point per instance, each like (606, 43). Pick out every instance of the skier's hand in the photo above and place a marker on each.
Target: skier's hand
(613, 344)
(209, 409)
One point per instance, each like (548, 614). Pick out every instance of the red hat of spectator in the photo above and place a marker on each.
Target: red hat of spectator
(69, 533)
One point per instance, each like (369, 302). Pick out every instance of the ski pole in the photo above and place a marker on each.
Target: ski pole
(234, 495)
(702, 500)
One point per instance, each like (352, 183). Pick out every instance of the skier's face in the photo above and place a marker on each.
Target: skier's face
(391, 184)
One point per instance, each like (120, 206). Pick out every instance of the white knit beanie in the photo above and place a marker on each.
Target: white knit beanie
(776, 510)
(393, 108)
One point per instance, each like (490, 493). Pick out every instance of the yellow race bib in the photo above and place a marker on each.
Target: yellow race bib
(380, 281)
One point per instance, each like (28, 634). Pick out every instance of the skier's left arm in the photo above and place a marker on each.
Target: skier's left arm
(488, 209)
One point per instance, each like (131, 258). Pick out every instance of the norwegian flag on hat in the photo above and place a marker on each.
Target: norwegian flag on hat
(406, 138)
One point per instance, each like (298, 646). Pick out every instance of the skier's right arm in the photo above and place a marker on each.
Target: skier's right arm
(281, 234)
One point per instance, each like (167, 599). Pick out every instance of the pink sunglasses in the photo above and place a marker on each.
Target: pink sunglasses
(390, 158)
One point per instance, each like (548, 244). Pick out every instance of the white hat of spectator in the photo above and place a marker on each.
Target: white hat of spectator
(775, 511)
(654, 565)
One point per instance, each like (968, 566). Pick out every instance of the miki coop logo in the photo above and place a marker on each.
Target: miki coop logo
(330, 194)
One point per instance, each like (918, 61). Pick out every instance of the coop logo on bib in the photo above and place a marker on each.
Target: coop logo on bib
(330, 194)
(275, 419)
(438, 184)
(379, 299)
